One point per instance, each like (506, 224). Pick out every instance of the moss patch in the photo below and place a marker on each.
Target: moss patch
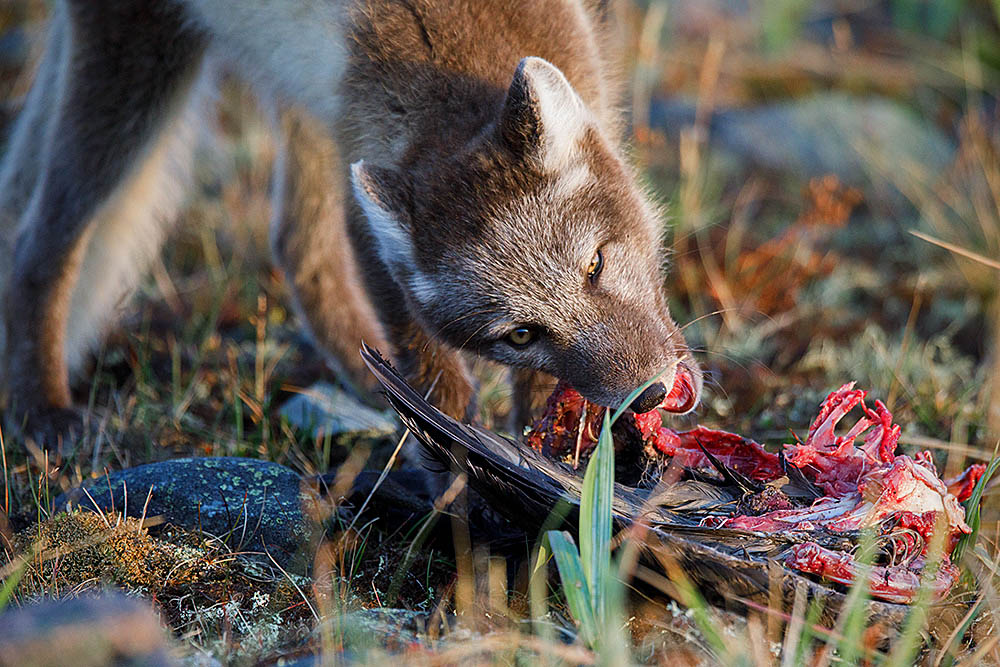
(83, 549)
(202, 588)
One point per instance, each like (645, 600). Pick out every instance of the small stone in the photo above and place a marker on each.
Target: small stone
(324, 409)
(109, 629)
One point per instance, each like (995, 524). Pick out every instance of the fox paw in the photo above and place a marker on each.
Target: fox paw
(54, 429)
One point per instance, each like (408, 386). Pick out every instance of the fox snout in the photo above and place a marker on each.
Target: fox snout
(609, 374)
(651, 397)
(678, 392)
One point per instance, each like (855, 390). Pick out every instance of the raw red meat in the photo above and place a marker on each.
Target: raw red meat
(837, 465)
(890, 583)
(962, 485)
(864, 486)
(741, 454)
(868, 486)
(558, 434)
(682, 395)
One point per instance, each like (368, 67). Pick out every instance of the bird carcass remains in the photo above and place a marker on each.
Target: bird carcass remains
(745, 524)
(829, 485)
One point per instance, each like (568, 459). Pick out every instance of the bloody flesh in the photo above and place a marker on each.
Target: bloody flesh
(682, 395)
(860, 480)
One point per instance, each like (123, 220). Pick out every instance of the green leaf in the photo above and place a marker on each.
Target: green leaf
(971, 505)
(574, 583)
(593, 593)
(595, 519)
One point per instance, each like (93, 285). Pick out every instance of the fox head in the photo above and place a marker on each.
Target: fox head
(532, 245)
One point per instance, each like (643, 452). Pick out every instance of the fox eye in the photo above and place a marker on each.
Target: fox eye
(521, 336)
(594, 270)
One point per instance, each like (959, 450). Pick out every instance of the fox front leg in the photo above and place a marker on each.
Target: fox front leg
(310, 241)
(110, 116)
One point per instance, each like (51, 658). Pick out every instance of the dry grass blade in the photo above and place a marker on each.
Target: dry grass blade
(291, 581)
(391, 462)
(927, 442)
(212, 347)
(958, 250)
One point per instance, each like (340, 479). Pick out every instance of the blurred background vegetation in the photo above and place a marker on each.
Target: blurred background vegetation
(831, 173)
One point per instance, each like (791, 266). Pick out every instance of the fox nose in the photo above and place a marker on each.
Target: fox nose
(650, 398)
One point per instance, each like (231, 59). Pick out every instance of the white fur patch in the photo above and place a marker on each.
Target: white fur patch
(423, 288)
(392, 240)
(129, 228)
(563, 114)
(574, 178)
(293, 47)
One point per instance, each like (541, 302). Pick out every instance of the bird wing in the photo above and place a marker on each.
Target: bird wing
(520, 481)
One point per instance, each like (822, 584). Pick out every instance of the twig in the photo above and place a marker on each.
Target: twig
(145, 506)
(579, 436)
(6, 486)
(97, 507)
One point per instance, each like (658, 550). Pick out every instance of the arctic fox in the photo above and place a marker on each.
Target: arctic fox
(452, 182)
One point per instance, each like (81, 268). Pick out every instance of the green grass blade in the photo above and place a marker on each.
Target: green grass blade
(10, 583)
(634, 395)
(595, 520)
(709, 626)
(537, 592)
(853, 616)
(816, 606)
(908, 643)
(574, 583)
(592, 591)
(971, 505)
(951, 649)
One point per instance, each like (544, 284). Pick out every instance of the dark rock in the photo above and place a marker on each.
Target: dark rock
(406, 498)
(402, 495)
(254, 505)
(109, 629)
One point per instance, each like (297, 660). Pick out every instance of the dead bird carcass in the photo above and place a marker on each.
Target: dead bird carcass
(747, 526)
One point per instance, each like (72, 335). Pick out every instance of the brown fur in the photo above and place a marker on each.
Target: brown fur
(454, 160)
(310, 242)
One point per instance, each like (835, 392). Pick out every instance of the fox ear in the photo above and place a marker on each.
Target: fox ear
(542, 114)
(383, 196)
